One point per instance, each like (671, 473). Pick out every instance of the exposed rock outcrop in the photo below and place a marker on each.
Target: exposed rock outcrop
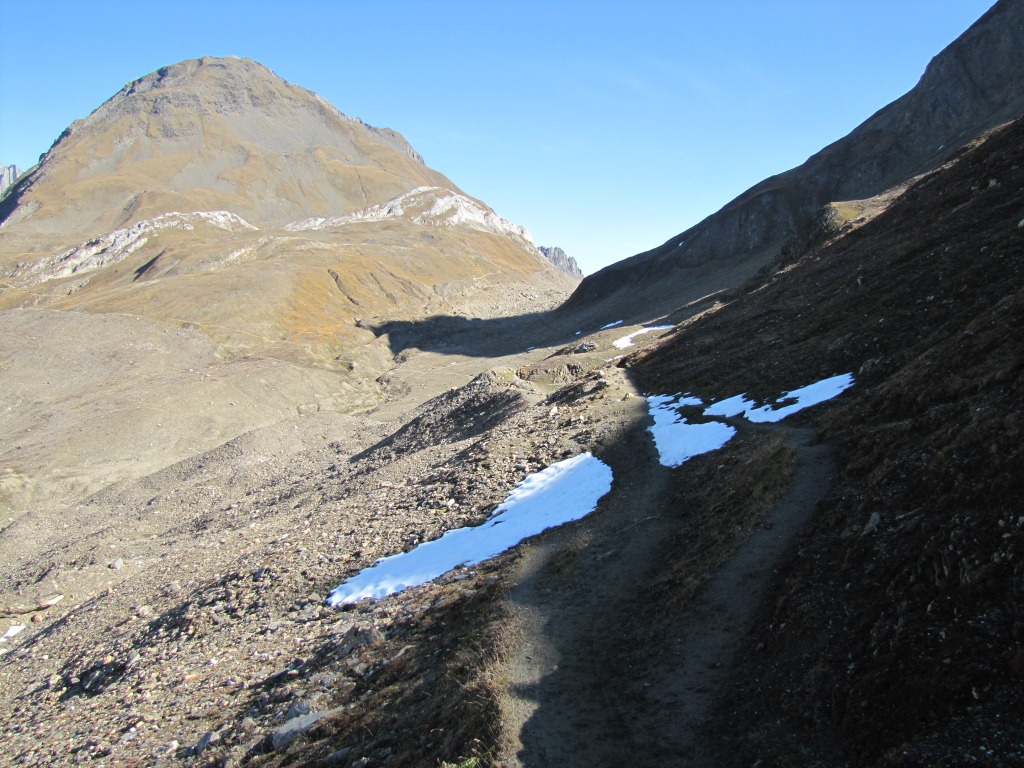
(562, 260)
(8, 175)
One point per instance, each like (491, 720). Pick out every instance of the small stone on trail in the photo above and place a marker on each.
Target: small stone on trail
(117, 565)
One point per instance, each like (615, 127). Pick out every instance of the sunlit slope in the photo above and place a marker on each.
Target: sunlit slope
(211, 134)
(214, 202)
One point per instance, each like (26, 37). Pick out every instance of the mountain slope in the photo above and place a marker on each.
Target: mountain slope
(211, 134)
(213, 201)
(975, 84)
(893, 634)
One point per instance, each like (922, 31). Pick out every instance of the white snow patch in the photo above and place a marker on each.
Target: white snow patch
(432, 206)
(677, 439)
(731, 406)
(120, 244)
(627, 341)
(611, 325)
(561, 493)
(13, 630)
(798, 399)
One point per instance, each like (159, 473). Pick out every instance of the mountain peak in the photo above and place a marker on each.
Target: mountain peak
(213, 134)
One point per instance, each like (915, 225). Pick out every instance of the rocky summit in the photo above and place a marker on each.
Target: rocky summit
(811, 550)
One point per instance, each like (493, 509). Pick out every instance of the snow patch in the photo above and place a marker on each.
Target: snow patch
(677, 439)
(120, 244)
(731, 406)
(798, 399)
(566, 491)
(611, 325)
(431, 206)
(13, 630)
(627, 341)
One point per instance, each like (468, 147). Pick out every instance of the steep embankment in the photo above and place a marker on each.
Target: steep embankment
(970, 87)
(893, 634)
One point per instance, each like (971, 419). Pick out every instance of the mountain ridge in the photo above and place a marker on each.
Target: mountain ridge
(973, 85)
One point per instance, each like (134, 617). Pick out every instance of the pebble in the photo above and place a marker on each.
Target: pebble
(117, 565)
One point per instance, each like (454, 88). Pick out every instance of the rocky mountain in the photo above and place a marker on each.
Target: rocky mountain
(207, 135)
(8, 175)
(251, 232)
(972, 86)
(563, 261)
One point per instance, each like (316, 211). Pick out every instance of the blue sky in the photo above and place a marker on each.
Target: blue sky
(603, 127)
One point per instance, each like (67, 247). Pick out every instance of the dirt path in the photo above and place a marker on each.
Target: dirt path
(585, 689)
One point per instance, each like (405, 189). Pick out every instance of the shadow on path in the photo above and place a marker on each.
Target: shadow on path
(592, 688)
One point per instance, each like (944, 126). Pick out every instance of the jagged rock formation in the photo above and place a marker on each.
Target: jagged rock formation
(562, 260)
(976, 83)
(8, 175)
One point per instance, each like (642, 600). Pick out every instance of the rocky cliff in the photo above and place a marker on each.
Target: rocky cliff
(562, 260)
(976, 83)
(8, 175)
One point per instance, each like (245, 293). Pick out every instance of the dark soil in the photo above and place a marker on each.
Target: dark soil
(895, 637)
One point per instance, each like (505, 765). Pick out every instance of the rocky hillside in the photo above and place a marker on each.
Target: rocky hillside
(872, 613)
(892, 635)
(972, 86)
(839, 588)
(205, 249)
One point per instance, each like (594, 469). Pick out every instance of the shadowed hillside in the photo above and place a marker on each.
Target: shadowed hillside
(974, 85)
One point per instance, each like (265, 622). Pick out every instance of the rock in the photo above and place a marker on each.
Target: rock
(352, 636)
(167, 749)
(338, 755)
(8, 176)
(298, 709)
(208, 738)
(872, 524)
(561, 260)
(117, 565)
(297, 726)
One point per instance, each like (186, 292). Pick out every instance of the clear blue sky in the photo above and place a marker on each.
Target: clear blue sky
(603, 127)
